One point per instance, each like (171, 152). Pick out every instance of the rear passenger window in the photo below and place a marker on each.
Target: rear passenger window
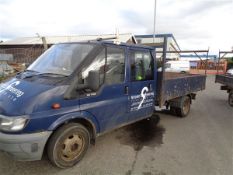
(141, 65)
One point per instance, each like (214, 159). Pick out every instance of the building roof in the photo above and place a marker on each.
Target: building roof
(62, 39)
(158, 36)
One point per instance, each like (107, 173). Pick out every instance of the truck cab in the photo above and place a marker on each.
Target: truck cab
(71, 94)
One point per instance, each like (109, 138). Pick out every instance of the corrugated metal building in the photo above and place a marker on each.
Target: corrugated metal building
(27, 49)
(50, 40)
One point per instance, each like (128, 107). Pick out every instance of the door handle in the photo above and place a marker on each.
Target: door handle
(126, 90)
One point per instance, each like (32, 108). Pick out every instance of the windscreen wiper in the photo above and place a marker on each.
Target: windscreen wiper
(27, 73)
(49, 74)
(35, 73)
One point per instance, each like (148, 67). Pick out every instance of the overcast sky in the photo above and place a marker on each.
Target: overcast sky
(196, 24)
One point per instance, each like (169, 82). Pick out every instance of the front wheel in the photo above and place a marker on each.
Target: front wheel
(68, 145)
(230, 99)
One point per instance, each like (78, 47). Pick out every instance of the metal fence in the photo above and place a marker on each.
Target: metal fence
(23, 55)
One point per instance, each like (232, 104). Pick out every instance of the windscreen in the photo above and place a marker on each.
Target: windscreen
(61, 59)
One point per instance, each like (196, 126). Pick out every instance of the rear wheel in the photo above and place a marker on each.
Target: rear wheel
(173, 110)
(230, 99)
(68, 145)
(185, 106)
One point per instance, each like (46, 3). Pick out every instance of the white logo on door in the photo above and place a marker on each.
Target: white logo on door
(143, 95)
(143, 100)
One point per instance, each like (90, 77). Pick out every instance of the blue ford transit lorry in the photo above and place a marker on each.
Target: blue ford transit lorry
(76, 91)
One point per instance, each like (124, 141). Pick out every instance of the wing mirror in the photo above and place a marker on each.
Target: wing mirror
(92, 81)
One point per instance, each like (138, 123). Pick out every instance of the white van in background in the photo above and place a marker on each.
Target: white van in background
(230, 71)
(176, 66)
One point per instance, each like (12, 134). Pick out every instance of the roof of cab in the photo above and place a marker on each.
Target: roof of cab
(112, 43)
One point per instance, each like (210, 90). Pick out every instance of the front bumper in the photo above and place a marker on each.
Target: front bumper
(24, 147)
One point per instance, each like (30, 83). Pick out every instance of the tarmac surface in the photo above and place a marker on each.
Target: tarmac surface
(200, 144)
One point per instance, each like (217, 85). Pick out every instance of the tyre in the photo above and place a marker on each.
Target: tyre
(185, 105)
(230, 99)
(173, 110)
(68, 145)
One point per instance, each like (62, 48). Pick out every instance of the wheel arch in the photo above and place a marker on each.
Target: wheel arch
(178, 101)
(84, 118)
(191, 97)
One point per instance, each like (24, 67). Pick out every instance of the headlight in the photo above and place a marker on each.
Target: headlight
(12, 123)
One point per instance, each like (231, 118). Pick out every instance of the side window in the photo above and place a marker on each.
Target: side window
(98, 65)
(141, 66)
(108, 67)
(115, 67)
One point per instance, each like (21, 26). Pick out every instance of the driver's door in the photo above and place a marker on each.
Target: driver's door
(109, 103)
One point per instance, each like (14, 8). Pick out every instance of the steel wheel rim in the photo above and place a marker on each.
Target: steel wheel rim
(71, 147)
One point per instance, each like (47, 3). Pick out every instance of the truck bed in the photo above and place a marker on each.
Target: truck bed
(177, 85)
(226, 80)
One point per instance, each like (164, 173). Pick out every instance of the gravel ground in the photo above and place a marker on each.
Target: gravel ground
(201, 144)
